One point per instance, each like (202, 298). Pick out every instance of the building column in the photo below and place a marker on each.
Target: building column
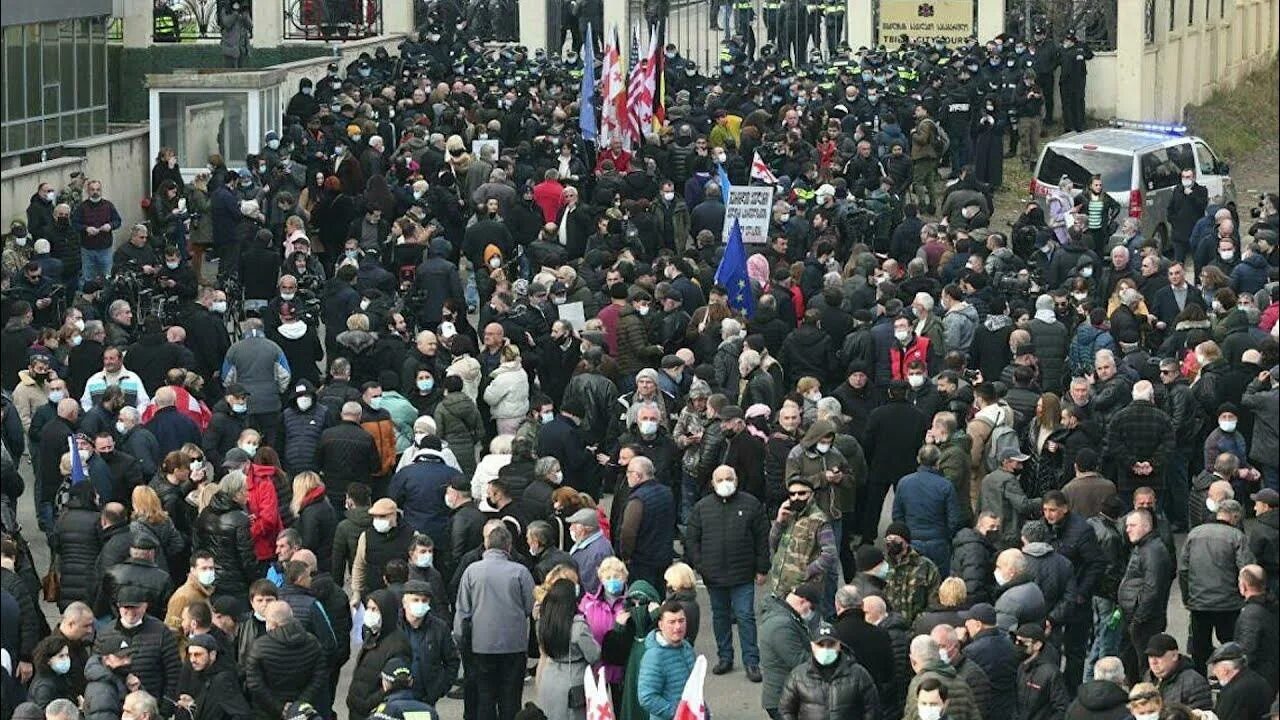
(858, 23)
(397, 17)
(1130, 47)
(534, 30)
(615, 16)
(268, 23)
(137, 23)
(991, 18)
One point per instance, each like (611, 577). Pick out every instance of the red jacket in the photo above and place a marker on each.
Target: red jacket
(549, 196)
(621, 160)
(185, 403)
(900, 357)
(264, 510)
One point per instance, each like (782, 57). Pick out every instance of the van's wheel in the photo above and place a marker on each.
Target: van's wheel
(1162, 240)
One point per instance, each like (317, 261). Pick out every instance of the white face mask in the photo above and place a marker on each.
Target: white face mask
(56, 396)
(1001, 580)
(219, 307)
(381, 525)
(79, 323)
(725, 489)
(207, 577)
(643, 310)
(1187, 183)
(1141, 716)
(1211, 504)
(1227, 426)
(1226, 254)
(823, 448)
(929, 713)
(286, 296)
(121, 429)
(372, 619)
(915, 381)
(648, 427)
(668, 196)
(1086, 272)
(423, 560)
(171, 264)
(304, 403)
(902, 335)
(131, 624)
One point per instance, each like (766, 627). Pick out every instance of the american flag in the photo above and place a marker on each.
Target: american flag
(640, 99)
(613, 111)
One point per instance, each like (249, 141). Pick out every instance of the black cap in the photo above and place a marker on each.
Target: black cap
(461, 483)
(867, 557)
(394, 667)
(1030, 631)
(235, 457)
(112, 644)
(130, 596)
(1161, 644)
(730, 412)
(810, 591)
(237, 390)
(225, 605)
(202, 640)
(982, 612)
(899, 529)
(144, 541)
(800, 480)
(825, 632)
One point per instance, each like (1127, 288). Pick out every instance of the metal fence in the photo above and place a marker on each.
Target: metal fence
(187, 20)
(332, 19)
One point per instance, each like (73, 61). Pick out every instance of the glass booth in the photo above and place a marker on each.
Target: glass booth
(224, 112)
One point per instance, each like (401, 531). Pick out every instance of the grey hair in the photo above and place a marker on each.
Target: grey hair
(849, 596)
(645, 464)
(829, 407)
(1016, 560)
(729, 328)
(541, 529)
(129, 412)
(1103, 354)
(115, 307)
(94, 328)
(1231, 508)
(924, 650)
(499, 538)
(76, 610)
(545, 466)
(351, 408)
(67, 710)
(1109, 669)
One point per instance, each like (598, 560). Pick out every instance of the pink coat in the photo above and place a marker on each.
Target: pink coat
(600, 612)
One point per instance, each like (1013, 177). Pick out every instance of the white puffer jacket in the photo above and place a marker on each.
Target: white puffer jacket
(508, 391)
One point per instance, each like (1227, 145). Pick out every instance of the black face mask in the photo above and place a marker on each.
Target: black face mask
(797, 506)
(895, 548)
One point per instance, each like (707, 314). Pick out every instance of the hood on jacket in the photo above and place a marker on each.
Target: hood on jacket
(816, 432)
(965, 310)
(357, 340)
(389, 606)
(1100, 695)
(360, 517)
(293, 329)
(292, 634)
(960, 439)
(1037, 549)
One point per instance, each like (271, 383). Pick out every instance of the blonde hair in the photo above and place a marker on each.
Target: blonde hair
(204, 495)
(952, 593)
(612, 567)
(64, 465)
(303, 483)
(807, 383)
(147, 506)
(358, 321)
(680, 577)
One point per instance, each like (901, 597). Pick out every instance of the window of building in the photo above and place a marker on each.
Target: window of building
(55, 84)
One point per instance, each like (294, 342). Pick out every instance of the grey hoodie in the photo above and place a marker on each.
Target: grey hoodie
(958, 326)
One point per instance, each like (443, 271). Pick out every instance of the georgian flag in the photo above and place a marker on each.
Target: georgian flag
(599, 703)
(691, 705)
(761, 172)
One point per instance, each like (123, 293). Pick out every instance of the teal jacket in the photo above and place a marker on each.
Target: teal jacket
(784, 644)
(663, 673)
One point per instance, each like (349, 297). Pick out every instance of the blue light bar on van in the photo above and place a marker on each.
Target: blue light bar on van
(1165, 128)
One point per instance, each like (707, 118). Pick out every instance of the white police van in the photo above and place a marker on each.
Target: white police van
(1140, 165)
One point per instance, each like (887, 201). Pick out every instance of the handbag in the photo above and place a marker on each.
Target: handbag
(577, 697)
(51, 585)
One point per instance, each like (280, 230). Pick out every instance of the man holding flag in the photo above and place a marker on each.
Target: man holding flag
(667, 665)
(732, 273)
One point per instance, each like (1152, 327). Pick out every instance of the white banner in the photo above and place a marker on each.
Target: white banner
(751, 205)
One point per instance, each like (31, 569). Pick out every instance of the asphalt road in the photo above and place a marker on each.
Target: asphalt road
(728, 696)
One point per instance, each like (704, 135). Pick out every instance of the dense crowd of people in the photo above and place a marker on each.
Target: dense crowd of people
(466, 403)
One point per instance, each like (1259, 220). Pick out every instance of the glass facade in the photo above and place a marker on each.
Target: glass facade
(55, 84)
(197, 124)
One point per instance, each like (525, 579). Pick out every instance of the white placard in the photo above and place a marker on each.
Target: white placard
(574, 314)
(477, 144)
(752, 206)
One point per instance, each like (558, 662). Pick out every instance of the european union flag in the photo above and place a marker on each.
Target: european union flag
(732, 273)
(587, 113)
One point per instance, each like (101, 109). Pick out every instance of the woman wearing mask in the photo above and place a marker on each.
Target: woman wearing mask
(316, 520)
(52, 661)
(426, 393)
(602, 608)
(262, 473)
(383, 640)
(568, 646)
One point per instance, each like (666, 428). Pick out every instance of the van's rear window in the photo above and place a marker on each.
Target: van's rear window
(1080, 165)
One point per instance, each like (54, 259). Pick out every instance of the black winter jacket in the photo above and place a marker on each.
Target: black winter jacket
(1099, 700)
(284, 666)
(727, 539)
(1143, 593)
(222, 433)
(815, 692)
(76, 542)
(1184, 685)
(379, 647)
(347, 454)
(317, 522)
(872, 644)
(1041, 692)
(973, 558)
(1258, 632)
(299, 436)
(223, 529)
(1075, 540)
(808, 351)
(30, 627)
(993, 651)
(155, 654)
(142, 575)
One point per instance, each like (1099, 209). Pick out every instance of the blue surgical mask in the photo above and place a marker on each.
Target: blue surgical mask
(60, 665)
(825, 655)
(419, 609)
(376, 403)
(614, 586)
(426, 385)
(249, 449)
(239, 408)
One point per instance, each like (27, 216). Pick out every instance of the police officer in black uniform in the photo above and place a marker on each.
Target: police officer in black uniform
(1044, 54)
(1071, 81)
